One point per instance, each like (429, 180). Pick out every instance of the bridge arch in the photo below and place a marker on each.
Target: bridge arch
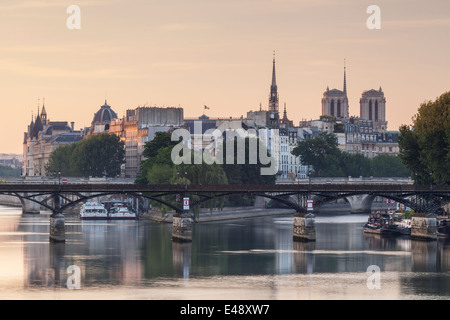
(82, 198)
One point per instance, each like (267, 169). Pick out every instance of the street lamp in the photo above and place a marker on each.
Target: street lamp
(431, 180)
(59, 176)
(309, 177)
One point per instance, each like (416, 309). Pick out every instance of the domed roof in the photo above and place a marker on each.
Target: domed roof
(104, 115)
(57, 126)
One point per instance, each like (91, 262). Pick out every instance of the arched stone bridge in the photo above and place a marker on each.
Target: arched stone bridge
(59, 197)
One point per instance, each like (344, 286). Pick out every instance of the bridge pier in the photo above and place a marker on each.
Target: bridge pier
(182, 227)
(304, 227)
(424, 227)
(57, 222)
(57, 228)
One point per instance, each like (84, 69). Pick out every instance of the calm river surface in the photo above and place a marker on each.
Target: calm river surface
(241, 259)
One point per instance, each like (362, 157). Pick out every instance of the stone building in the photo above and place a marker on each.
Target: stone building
(140, 126)
(373, 107)
(137, 127)
(361, 137)
(335, 102)
(102, 120)
(41, 139)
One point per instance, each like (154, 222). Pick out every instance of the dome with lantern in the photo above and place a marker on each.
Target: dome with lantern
(104, 115)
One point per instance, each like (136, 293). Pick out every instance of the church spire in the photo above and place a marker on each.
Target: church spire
(274, 78)
(345, 78)
(273, 98)
(44, 113)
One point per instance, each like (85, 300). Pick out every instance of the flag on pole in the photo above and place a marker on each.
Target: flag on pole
(206, 107)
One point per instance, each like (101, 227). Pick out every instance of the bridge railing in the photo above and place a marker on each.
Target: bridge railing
(347, 180)
(63, 180)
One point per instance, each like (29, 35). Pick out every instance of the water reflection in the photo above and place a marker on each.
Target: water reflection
(182, 253)
(130, 254)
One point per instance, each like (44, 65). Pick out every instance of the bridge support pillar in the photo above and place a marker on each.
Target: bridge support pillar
(304, 227)
(182, 228)
(57, 228)
(424, 227)
(57, 223)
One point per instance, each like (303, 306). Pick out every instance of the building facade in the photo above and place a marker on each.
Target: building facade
(373, 108)
(335, 102)
(41, 139)
(140, 126)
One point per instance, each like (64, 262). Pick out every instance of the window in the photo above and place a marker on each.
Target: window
(376, 110)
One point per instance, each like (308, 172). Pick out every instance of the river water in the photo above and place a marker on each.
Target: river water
(252, 259)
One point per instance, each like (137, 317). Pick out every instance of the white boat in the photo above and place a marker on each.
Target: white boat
(93, 211)
(120, 210)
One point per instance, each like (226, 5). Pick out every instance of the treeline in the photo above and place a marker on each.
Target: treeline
(158, 168)
(425, 145)
(6, 171)
(97, 156)
(327, 160)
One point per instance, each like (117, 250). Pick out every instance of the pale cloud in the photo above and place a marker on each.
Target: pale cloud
(361, 40)
(36, 4)
(185, 26)
(417, 23)
(22, 68)
(34, 49)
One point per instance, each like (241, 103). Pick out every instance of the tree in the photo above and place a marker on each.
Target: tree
(100, 155)
(425, 146)
(355, 165)
(154, 154)
(97, 156)
(327, 160)
(247, 172)
(389, 166)
(161, 139)
(62, 162)
(6, 171)
(159, 168)
(322, 153)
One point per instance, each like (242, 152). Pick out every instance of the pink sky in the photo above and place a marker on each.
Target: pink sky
(216, 53)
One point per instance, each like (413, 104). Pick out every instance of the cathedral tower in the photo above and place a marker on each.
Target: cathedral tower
(373, 107)
(335, 102)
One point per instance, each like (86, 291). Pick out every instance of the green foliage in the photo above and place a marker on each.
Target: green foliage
(6, 171)
(97, 156)
(63, 160)
(157, 151)
(389, 166)
(322, 153)
(245, 173)
(158, 168)
(327, 160)
(161, 140)
(425, 147)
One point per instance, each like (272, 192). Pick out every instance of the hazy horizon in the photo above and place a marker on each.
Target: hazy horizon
(216, 53)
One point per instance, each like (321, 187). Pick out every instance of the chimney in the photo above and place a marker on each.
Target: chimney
(72, 125)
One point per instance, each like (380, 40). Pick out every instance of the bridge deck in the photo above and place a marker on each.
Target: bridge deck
(122, 188)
